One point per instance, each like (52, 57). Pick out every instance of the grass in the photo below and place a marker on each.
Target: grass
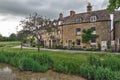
(90, 66)
(9, 44)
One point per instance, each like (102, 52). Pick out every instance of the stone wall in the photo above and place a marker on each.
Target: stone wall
(102, 29)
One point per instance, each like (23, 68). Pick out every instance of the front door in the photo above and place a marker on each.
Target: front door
(69, 44)
(49, 43)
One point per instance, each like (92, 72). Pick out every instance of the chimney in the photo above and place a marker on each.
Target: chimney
(89, 7)
(72, 13)
(60, 16)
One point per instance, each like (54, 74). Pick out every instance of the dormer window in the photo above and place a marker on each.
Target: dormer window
(59, 32)
(93, 18)
(54, 23)
(79, 20)
(60, 23)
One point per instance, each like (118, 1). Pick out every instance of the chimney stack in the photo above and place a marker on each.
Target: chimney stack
(72, 13)
(89, 7)
(60, 16)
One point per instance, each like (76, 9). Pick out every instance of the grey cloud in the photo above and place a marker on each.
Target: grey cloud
(49, 8)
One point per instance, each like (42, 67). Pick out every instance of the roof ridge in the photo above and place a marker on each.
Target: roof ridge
(87, 12)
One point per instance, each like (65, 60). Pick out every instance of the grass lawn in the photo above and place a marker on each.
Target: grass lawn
(9, 44)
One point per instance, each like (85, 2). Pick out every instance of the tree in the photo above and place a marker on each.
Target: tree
(22, 36)
(31, 40)
(38, 25)
(12, 37)
(87, 36)
(113, 5)
(1, 37)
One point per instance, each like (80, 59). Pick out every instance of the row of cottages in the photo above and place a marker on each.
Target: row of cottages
(71, 27)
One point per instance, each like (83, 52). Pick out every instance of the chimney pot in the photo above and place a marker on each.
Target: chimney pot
(72, 13)
(60, 16)
(89, 7)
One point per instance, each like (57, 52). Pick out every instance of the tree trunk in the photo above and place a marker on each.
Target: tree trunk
(21, 46)
(38, 45)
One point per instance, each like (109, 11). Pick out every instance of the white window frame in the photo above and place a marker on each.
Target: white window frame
(94, 32)
(78, 33)
(60, 23)
(93, 18)
(93, 43)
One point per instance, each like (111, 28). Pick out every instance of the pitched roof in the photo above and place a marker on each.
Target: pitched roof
(102, 15)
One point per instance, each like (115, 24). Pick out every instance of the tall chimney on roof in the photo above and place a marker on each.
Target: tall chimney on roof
(89, 7)
(72, 13)
(60, 16)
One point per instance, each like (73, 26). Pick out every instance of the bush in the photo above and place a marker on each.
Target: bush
(43, 68)
(14, 61)
(112, 62)
(104, 74)
(92, 49)
(95, 61)
(58, 46)
(28, 64)
(87, 71)
(67, 66)
(43, 59)
(3, 58)
(33, 44)
(117, 75)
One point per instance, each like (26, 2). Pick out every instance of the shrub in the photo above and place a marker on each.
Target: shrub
(104, 74)
(117, 75)
(95, 61)
(92, 49)
(43, 68)
(3, 58)
(33, 44)
(112, 62)
(87, 71)
(28, 64)
(43, 59)
(67, 66)
(14, 61)
(58, 46)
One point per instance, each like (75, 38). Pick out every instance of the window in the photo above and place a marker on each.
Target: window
(78, 31)
(78, 20)
(59, 32)
(54, 23)
(93, 40)
(119, 41)
(94, 30)
(93, 18)
(78, 41)
(60, 23)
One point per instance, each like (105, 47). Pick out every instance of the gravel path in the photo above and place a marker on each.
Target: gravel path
(69, 51)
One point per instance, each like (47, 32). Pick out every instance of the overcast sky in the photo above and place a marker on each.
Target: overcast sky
(12, 11)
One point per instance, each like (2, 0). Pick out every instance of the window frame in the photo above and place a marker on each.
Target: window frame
(78, 32)
(94, 30)
(93, 41)
(78, 20)
(78, 42)
(93, 18)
